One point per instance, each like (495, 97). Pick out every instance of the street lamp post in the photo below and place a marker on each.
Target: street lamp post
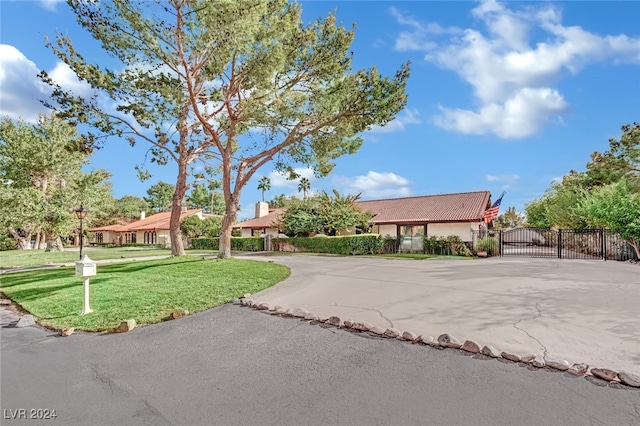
(81, 213)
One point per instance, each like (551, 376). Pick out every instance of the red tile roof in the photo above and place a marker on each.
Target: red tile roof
(460, 207)
(267, 221)
(158, 221)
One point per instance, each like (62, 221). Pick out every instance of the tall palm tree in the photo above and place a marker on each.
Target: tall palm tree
(304, 186)
(264, 185)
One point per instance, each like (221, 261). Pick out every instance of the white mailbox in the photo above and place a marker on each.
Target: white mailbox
(86, 267)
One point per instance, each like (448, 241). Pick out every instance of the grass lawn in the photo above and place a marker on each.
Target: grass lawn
(147, 291)
(12, 258)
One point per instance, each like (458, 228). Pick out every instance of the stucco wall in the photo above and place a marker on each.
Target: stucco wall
(461, 229)
(385, 230)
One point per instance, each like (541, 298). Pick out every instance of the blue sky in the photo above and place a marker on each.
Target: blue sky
(503, 96)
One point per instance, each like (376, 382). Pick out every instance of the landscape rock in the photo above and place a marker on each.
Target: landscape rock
(538, 361)
(26, 321)
(263, 306)
(323, 318)
(482, 254)
(578, 369)
(604, 374)
(248, 302)
(511, 357)
(377, 330)
(125, 326)
(279, 310)
(471, 346)
(528, 358)
(66, 332)
(348, 323)
(5, 302)
(336, 321)
(449, 341)
(247, 295)
(489, 350)
(236, 301)
(629, 379)
(178, 314)
(311, 317)
(427, 340)
(412, 337)
(299, 312)
(392, 332)
(362, 326)
(558, 364)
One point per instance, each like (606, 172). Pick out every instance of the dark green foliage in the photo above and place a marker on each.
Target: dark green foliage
(160, 196)
(193, 227)
(237, 243)
(451, 245)
(344, 245)
(7, 242)
(490, 245)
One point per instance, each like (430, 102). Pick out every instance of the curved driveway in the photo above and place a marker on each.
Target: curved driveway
(578, 310)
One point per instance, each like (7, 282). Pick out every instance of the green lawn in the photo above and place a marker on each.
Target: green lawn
(12, 258)
(147, 291)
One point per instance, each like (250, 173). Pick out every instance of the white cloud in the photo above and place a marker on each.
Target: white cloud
(22, 90)
(420, 37)
(509, 180)
(280, 180)
(399, 123)
(512, 77)
(50, 4)
(518, 117)
(376, 185)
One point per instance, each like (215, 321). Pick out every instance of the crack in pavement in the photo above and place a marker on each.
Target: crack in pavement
(102, 378)
(368, 309)
(515, 325)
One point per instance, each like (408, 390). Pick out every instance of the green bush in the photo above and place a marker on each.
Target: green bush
(451, 245)
(7, 242)
(345, 245)
(490, 245)
(237, 243)
(159, 246)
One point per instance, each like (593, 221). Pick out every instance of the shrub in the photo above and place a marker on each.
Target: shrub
(237, 243)
(490, 245)
(451, 245)
(345, 245)
(7, 242)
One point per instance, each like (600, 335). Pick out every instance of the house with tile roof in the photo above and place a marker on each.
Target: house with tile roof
(409, 218)
(147, 230)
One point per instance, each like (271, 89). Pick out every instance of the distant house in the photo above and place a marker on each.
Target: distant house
(147, 230)
(409, 218)
(265, 222)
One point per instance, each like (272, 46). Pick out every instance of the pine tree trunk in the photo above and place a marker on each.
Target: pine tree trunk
(226, 229)
(177, 245)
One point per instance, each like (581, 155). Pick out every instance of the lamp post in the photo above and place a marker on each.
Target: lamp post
(81, 213)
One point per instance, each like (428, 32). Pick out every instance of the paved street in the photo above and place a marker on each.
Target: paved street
(583, 311)
(235, 366)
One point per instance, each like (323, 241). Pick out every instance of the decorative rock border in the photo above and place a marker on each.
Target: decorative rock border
(445, 341)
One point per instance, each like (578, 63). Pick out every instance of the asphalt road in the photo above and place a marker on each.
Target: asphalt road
(235, 366)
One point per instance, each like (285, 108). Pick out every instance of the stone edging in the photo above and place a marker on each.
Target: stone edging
(448, 341)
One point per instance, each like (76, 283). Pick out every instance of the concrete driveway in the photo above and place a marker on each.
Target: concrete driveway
(579, 310)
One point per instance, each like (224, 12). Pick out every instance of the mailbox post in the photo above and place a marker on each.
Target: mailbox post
(86, 268)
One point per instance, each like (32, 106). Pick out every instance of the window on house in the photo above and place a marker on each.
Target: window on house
(411, 237)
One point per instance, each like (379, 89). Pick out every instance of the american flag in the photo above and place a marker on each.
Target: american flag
(492, 212)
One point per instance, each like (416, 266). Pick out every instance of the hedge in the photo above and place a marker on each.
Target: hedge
(237, 243)
(345, 245)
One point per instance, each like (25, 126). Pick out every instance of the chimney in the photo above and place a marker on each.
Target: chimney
(262, 209)
(143, 215)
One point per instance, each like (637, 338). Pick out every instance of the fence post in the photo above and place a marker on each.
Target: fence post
(500, 242)
(559, 243)
(603, 243)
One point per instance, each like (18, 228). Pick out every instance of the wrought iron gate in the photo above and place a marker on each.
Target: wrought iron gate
(561, 244)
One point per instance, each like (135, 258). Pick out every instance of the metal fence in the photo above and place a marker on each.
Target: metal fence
(561, 243)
